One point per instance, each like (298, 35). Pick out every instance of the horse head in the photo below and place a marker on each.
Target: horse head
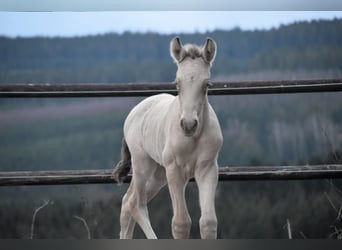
(192, 80)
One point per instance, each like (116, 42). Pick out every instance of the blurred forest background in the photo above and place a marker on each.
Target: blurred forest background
(287, 129)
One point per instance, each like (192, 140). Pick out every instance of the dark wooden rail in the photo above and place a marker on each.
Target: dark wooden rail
(147, 89)
(226, 173)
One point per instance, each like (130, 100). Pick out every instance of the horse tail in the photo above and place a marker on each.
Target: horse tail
(123, 167)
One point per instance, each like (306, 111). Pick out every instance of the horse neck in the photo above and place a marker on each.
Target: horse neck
(204, 114)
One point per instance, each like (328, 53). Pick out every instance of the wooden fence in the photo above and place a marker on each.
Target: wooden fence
(147, 89)
(225, 174)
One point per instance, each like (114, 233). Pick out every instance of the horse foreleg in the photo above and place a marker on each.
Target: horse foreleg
(206, 179)
(181, 221)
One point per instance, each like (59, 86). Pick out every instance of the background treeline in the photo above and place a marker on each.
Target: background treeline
(41, 134)
(138, 57)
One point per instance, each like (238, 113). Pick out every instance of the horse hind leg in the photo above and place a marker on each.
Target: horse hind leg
(154, 184)
(119, 173)
(138, 196)
(126, 220)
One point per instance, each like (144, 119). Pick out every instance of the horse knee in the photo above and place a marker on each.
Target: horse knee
(133, 206)
(208, 228)
(125, 208)
(181, 228)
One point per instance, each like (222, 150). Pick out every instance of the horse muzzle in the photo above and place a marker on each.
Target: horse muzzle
(189, 126)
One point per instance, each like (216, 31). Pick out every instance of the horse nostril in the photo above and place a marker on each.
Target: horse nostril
(195, 124)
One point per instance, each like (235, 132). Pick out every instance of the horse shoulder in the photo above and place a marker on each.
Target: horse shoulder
(213, 128)
(211, 140)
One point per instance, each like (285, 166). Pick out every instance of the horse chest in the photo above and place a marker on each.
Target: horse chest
(184, 153)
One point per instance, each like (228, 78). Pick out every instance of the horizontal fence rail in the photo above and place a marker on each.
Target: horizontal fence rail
(18, 178)
(147, 89)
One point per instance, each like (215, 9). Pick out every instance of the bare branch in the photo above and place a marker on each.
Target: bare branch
(85, 225)
(289, 232)
(303, 235)
(46, 202)
(337, 233)
(337, 158)
(330, 201)
(339, 213)
(335, 188)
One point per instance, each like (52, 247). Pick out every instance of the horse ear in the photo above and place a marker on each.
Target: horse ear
(209, 50)
(176, 49)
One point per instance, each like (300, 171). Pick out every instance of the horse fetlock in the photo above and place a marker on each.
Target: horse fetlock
(208, 228)
(181, 229)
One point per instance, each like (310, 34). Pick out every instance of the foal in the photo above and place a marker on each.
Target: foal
(170, 139)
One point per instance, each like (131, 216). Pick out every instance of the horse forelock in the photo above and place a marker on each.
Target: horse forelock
(192, 51)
